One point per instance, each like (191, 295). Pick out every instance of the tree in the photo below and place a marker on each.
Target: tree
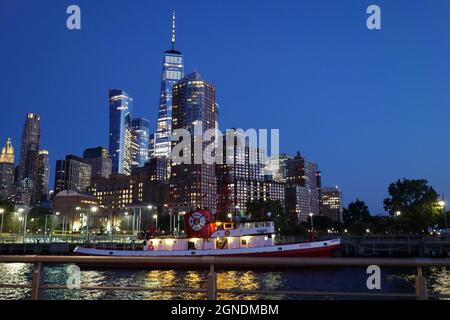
(416, 201)
(8, 215)
(356, 212)
(259, 208)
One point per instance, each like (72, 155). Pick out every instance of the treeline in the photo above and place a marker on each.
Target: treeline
(413, 207)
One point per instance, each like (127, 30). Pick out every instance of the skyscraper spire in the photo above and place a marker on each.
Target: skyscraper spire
(173, 30)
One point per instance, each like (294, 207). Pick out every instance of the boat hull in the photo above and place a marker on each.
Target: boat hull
(307, 249)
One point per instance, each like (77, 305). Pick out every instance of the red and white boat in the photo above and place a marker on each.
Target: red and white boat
(206, 237)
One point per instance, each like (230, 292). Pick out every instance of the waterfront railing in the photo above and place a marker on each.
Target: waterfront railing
(37, 284)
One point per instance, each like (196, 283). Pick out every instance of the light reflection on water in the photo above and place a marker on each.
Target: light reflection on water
(331, 279)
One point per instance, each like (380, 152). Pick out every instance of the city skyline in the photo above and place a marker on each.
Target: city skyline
(316, 147)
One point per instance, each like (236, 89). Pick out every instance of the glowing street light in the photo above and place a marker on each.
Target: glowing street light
(311, 215)
(155, 216)
(442, 205)
(230, 216)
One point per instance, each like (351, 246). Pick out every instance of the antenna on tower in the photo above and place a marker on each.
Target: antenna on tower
(173, 30)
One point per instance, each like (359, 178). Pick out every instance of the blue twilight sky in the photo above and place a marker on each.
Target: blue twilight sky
(368, 106)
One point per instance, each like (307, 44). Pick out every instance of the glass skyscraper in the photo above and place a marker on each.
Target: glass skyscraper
(172, 72)
(140, 133)
(120, 131)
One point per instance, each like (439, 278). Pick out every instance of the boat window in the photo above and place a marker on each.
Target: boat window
(244, 242)
(228, 226)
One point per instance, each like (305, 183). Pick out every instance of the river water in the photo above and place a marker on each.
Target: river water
(325, 279)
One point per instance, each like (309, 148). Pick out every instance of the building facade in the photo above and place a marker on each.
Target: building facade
(151, 145)
(6, 170)
(74, 208)
(172, 72)
(120, 191)
(29, 152)
(302, 194)
(43, 176)
(275, 167)
(99, 160)
(331, 203)
(120, 132)
(194, 109)
(72, 173)
(240, 175)
(140, 141)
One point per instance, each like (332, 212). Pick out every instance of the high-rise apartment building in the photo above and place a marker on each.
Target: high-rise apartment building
(302, 195)
(72, 173)
(41, 191)
(99, 160)
(331, 203)
(240, 176)
(194, 109)
(120, 132)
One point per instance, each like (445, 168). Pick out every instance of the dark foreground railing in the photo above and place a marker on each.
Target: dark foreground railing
(37, 284)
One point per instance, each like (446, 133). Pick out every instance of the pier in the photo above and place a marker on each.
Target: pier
(395, 246)
(351, 246)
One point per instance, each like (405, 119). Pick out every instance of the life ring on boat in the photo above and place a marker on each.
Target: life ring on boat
(197, 221)
(150, 247)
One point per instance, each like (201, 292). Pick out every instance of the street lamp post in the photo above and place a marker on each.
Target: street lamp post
(94, 210)
(2, 212)
(442, 204)
(311, 215)
(178, 222)
(398, 214)
(127, 220)
(150, 208)
(24, 218)
(155, 216)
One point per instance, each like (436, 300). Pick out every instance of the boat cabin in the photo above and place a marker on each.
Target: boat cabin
(227, 235)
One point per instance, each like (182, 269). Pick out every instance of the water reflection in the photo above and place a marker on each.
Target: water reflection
(15, 273)
(439, 280)
(333, 279)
